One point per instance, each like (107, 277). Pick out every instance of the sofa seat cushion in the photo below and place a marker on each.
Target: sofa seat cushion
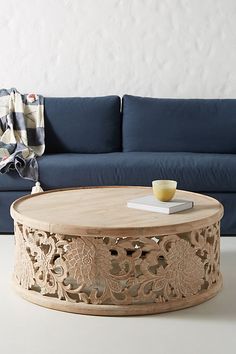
(11, 181)
(82, 124)
(190, 125)
(196, 172)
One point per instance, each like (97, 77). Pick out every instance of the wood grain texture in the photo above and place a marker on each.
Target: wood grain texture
(103, 211)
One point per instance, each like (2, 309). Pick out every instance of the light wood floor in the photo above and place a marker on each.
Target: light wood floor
(208, 328)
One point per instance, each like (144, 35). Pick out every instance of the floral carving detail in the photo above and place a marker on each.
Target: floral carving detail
(207, 245)
(117, 270)
(50, 268)
(89, 262)
(24, 271)
(85, 258)
(183, 275)
(38, 260)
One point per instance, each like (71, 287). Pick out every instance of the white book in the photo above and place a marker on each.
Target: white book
(150, 203)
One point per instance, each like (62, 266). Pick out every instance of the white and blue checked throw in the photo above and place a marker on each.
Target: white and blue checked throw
(21, 132)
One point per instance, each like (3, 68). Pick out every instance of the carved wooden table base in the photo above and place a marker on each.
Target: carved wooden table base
(117, 275)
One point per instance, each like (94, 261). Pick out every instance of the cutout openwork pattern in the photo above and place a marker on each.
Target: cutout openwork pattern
(119, 271)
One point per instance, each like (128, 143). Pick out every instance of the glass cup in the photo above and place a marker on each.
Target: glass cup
(164, 189)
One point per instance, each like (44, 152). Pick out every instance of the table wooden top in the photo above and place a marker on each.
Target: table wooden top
(103, 211)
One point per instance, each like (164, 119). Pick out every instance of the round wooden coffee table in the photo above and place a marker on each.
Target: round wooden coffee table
(82, 250)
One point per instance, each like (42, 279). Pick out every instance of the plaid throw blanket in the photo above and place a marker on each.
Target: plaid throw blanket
(21, 132)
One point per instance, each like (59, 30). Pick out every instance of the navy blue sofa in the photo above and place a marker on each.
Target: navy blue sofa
(103, 141)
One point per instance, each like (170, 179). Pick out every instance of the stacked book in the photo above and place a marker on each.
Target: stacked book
(150, 203)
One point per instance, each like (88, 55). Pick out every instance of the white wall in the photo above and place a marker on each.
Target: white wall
(165, 48)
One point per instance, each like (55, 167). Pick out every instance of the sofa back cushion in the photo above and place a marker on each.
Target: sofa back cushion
(82, 124)
(187, 125)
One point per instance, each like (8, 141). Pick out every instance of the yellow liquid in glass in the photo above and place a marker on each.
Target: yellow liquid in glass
(164, 194)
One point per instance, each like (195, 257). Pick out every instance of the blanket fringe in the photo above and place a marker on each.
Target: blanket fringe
(37, 188)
